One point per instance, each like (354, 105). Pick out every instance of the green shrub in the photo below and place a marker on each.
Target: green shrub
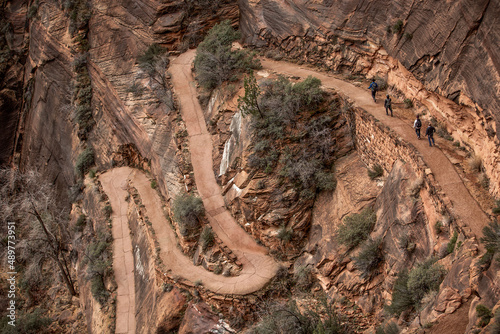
(84, 161)
(491, 238)
(108, 210)
(496, 208)
(285, 234)
(409, 36)
(408, 103)
(27, 323)
(92, 173)
(154, 184)
(188, 210)
(450, 247)
(206, 237)
(484, 314)
(81, 222)
(356, 227)
(288, 318)
(369, 257)
(99, 262)
(309, 91)
(377, 171)
(98, 289)
(150, 56)
(438, 227)
(396, 28)
(410, 288)
(216, 62)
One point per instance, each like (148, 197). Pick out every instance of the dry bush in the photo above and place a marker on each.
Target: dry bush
(475, 163)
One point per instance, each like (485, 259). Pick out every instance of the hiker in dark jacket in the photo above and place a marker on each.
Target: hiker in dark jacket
(388, 105)
(374, 87)
(417, 125)
(430, 134)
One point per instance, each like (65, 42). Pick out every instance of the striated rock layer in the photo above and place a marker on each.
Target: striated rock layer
(442, 54)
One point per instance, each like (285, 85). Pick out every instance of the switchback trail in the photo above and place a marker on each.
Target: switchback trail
(464, 207)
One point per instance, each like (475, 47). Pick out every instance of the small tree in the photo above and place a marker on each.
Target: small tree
(29, 200)
(249, 103)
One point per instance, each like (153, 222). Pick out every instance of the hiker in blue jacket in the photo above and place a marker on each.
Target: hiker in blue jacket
(374, 88)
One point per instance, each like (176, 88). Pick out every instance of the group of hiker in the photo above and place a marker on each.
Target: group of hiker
(417, 124)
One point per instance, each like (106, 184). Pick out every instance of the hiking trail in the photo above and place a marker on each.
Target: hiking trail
(257, 266)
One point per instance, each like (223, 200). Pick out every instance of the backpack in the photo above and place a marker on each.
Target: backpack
(374, 86)
(418, 124)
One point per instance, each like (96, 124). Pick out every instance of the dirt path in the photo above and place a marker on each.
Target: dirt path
(114, 183)
(464, 207)
(257, 270)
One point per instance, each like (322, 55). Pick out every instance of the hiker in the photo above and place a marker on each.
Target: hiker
(374, 87)
(388, 105)
(417, 125)
(430, 134)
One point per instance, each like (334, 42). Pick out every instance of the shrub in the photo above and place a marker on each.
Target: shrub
(81, 222)
(154, 184)
(369, 257)
(438, 227)
(484, 314)
(410, 288)
(288, 318)
(136, 89)
(450, 247)
(92, 173)
(377, 171)
(423, 278)
(84, 161)
(27, 323)
(408, 103)
(98, 289)
(215, 61)
(496, 208)
(356, 227)
(99, 266)
(285, 234)
(397, 27)
(303, 277)
(409, 36)
(491, 237)
(309, 91)
(206, 237)
(389, 328)
(484, 181)
(108, 210)
(382, 83)
(32, 10)
(187, 212)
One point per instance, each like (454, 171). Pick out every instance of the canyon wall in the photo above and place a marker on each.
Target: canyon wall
(441, 54)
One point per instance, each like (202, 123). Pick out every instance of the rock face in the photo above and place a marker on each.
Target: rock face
(434, 52)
